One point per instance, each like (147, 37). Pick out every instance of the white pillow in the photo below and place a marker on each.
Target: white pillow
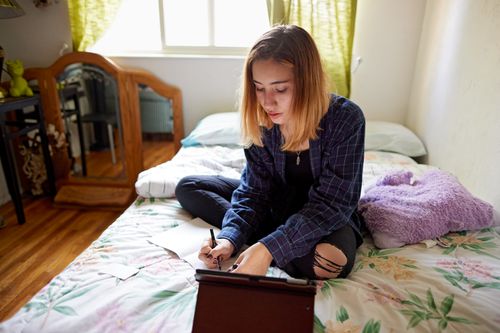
(384, 157)
(221, 128)
(392, 137)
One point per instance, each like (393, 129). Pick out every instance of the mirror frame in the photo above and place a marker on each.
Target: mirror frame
(137, 77)
(104, 192)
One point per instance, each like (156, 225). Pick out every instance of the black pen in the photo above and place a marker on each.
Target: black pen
(214, 244)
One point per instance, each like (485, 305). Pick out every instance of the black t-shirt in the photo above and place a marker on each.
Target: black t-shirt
(299, 177)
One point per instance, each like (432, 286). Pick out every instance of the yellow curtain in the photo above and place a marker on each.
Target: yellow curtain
(89, 19)
(331, 24)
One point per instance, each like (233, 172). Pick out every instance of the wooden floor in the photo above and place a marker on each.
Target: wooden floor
(33, 253)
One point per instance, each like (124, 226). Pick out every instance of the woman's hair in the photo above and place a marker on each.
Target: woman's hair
(292, 46)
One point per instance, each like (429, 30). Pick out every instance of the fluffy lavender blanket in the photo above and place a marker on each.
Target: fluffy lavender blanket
(398, 211)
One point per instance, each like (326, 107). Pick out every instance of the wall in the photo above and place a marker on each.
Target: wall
(455, 100)
(37, 37)
(387, 34)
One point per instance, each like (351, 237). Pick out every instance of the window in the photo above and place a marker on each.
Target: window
(208, 27)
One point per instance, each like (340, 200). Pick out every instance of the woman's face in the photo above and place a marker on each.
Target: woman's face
(274, 87)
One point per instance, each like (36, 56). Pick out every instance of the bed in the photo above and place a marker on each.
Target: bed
(124, 282)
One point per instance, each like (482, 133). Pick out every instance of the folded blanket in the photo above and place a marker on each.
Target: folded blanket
(398, 211)
(161, 180)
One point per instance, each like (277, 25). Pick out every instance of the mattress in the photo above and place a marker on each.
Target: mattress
(452, 285)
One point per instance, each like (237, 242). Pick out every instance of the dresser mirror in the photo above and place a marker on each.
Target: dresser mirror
(110, 116)
(160, 109)
(91, 117)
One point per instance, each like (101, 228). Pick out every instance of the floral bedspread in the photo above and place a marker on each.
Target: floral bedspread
(452, 285)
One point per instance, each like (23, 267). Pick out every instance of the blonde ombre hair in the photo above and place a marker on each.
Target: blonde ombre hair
(292, 46)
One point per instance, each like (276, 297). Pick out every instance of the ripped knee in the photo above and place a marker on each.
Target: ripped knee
(329, 261)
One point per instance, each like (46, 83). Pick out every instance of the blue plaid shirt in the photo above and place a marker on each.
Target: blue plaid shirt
(337, 167)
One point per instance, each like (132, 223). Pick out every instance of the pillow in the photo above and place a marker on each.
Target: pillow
(221, 128)
(398, 210)
(383, 157)
(392, 137)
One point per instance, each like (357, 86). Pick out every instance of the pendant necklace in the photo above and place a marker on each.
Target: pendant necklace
(297, 161)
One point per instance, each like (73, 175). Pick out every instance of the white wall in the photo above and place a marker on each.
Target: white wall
(387, 34)
(37, 37)
(455, 100)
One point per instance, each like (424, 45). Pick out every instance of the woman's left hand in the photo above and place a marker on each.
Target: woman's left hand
(254, 260)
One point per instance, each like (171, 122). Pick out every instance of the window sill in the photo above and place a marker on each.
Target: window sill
(162, 54)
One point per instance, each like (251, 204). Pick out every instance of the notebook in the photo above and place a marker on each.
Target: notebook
(231, 302)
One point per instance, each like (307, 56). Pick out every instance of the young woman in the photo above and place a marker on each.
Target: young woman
(295, 204)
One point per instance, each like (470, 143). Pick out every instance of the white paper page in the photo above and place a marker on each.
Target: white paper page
(193, 260)
(120, 271)
(186, 239)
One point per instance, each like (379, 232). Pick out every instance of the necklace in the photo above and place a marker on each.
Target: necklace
(297, 161)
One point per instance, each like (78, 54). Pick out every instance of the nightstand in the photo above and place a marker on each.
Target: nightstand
(18, 117)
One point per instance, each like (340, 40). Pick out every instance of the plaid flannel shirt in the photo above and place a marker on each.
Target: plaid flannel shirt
(337, 166)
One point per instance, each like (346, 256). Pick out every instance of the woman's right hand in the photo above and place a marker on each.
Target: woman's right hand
(209, 255)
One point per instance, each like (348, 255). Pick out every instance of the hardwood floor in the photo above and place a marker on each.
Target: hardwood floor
(33, 253)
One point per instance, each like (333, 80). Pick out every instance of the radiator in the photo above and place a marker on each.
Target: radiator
(156, 112)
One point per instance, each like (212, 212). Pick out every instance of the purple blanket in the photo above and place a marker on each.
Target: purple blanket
(399, 212)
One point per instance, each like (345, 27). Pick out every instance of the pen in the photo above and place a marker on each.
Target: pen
(214, 244)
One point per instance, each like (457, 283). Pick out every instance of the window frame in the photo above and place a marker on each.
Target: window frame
(210, 50)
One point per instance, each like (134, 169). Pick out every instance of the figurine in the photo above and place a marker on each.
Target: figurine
(3, 93)
(18, 85)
